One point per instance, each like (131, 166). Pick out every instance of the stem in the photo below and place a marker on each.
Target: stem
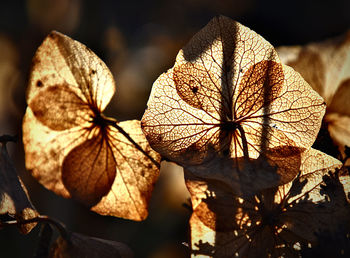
(244, 142)
(8, 138)
(43, 219)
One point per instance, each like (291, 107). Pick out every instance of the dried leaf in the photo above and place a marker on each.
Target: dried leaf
(14, 199)
(339, 128)
(71, 147)
(246, 177)
(228, 97)
(277, 222)
(325, 66)
(80, 246)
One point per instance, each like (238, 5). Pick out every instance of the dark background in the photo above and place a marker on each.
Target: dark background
(138, 40)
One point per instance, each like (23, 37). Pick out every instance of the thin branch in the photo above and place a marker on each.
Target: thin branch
(43, 219)
(8, 138)
(244, 142)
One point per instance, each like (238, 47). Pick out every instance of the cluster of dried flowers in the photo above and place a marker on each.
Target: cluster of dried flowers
(242, 124)
(239, 121)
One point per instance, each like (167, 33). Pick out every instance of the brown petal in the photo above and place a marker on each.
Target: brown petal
(197, 86)
(88, 171)
(259, 87)
(59, 108)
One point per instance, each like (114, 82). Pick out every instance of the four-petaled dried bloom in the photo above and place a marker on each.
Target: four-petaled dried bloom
(71, 147)
(229, 110)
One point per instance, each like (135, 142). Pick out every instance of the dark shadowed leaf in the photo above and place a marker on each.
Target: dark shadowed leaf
(45, 237)
(80, 246)
(71, 147)
(14, 199)
(228, 98)
(280, 221)
(244, 177)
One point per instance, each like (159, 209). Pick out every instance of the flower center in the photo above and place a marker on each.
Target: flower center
(229, 126)
(99, 120)
(270, 217)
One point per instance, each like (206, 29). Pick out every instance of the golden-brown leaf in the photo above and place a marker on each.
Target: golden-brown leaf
(14, 199)
(325, 66)
(283, 221)
(80, 246)
(71, 147)
(339, 128)
(228, 93)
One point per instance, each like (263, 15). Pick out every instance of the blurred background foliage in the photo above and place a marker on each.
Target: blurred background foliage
(138, 40)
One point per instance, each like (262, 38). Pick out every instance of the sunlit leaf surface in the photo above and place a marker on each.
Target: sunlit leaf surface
(70, 147)
(284, 221)
(14, 199)
(228, 98)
